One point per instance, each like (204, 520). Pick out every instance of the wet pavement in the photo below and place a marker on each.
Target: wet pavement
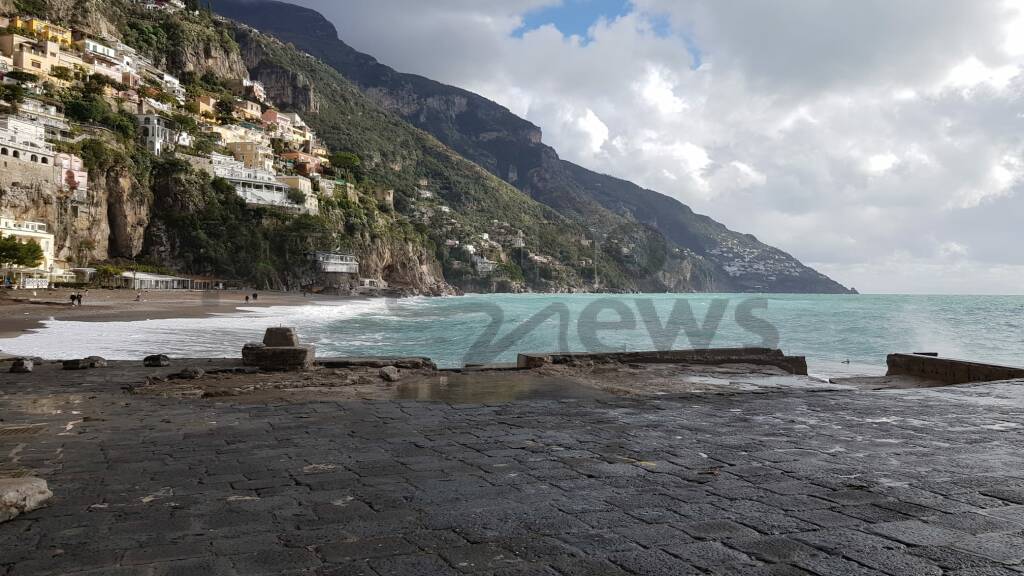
(529, 481)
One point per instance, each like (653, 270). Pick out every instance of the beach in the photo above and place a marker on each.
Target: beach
(26, 310)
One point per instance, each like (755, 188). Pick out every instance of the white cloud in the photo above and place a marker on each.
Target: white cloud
(861, 136)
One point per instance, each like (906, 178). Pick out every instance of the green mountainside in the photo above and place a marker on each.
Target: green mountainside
(445, 190)
(704, 254)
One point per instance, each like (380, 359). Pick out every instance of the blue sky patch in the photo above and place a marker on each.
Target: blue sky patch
(574, 17)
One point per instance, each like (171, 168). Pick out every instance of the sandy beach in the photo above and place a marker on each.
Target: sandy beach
(25, 310)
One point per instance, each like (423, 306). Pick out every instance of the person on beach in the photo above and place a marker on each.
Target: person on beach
(72, 297)
(138, 296)
(79, 298)
(246, 298)
(255, 296)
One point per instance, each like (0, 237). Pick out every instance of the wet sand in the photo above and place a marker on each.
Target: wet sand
(25, 310)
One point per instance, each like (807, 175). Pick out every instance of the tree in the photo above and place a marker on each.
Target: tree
(296, 196)
(14, 253)
(346, 161)
(225, 111)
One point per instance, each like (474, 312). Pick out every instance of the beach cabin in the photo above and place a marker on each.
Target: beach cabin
(147, 281)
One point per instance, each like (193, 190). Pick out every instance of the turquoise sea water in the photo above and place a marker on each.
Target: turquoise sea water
(829, 330)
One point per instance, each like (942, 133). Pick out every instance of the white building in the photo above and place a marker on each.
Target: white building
(25, 139)
(256, 186)
(336, 263)
(483, 265)
(53, 121)
(25, 231)
(159, 133)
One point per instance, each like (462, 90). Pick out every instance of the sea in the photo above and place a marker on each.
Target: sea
(839, 334)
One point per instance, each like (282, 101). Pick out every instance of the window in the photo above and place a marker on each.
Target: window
(46, 160)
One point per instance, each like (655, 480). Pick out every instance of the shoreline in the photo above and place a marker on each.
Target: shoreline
(23, 312)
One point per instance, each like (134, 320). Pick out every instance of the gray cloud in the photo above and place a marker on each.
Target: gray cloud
(877, 140)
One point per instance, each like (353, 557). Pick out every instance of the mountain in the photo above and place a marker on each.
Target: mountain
(703, 255)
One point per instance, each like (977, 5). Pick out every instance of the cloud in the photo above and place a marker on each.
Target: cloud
(882, 141)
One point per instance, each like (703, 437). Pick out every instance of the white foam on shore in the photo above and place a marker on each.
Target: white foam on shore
(219, 335)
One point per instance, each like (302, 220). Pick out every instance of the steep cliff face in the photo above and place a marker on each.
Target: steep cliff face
(404, 265)
(108, 220)
(511, 148)
(128, 211)
(203, 50)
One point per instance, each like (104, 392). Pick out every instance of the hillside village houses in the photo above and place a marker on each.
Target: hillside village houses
(272, 158)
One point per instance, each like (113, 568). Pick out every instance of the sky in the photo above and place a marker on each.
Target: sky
(878, 141)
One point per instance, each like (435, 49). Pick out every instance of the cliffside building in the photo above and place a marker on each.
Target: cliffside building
(256, 186)
(253, 154)
(23, 139)
(159, 133)
(24, 231)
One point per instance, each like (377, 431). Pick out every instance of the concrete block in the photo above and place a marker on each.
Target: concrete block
(21, 495)
(280, 337)
(279, 358)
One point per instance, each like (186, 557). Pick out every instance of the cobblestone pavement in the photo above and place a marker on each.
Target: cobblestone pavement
(782, 483)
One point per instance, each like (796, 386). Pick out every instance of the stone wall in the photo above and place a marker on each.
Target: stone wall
(949, 370)
(15, 172)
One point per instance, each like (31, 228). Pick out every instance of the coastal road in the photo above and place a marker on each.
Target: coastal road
(902, 483)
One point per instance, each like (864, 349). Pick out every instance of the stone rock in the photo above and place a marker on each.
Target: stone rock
(96, 362)
(280, 337)
(390, 374)
(78, 364)
(21, 495)
(191, 373)
(156, 361)
(22, 366)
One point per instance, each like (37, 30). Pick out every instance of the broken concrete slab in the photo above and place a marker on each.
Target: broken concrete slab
(949, 370)
(407, 363)
(390, 374)
(21, 495)
(757, 356)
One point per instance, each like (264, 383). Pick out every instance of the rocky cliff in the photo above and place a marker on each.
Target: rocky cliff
(710, 256)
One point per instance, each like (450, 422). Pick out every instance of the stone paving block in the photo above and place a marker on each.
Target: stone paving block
(1003, 548)
(708, 555)
(277, 560)
(653, 563)
(917, 533)
(480, 558)
(413, 564)
(979, 523)
(345, 551)
(716, 530)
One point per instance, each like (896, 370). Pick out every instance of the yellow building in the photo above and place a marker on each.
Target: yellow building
(248, 110)
(253, 154)
(207, 105)
(30, 54)
(44, 29)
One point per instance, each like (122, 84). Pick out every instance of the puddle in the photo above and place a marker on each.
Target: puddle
(479, 388)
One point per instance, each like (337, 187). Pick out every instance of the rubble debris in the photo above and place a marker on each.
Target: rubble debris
(21, 495)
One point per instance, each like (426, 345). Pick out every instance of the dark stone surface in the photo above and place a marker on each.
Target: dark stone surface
(156, 361)
(839, 482)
